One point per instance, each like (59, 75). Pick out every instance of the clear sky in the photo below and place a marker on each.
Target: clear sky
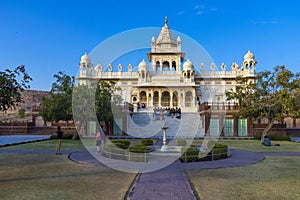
(51, 35)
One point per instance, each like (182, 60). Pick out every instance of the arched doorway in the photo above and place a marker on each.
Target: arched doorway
(143, 97)
(165, 99)
(188, 99)
(155, 99)
(175, 99)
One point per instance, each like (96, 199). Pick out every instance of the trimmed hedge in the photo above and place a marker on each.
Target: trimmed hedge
(189, 154)
(120, 145)
(181, 142)
(147, 142)
(279, 138)
(219, 152)
(275, 138)
(125, 142)
(139, 148)
(193, 154)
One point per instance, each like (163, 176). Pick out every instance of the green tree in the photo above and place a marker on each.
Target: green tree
(274, 95)
(95, 102)
(12, 82)
(107, 101)
(83, 104)
(59, 105)
(21, 113)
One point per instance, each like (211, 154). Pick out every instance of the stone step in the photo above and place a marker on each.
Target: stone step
(144, 125)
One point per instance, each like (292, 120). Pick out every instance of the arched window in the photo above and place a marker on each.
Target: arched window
(157, 68)
(166, 66)
(142, 73)
(134, 99)
(173, 66)
(188, 99)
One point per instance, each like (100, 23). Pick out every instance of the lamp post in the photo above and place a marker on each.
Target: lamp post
(164, 146)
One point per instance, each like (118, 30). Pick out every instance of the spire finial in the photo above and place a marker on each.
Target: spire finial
(166, 20)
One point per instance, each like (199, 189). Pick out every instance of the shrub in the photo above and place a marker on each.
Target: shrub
(181, 142)
(189, 154)
(219, 151)
(139, 148)
(220, 146)
(147, 142)
(120, 145)
(219, 154)
(193, 154)
(279, 138)
(275, 138)
(126, 142)
(192, 146)
(21, 113)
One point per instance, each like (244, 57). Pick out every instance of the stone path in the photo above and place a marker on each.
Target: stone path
(169, 183)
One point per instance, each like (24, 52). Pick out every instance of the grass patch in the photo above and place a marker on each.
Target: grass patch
(50, 145)
(36, 176)
(274, 178)
(256, 146)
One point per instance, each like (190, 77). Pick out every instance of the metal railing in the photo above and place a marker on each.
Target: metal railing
(125, 154)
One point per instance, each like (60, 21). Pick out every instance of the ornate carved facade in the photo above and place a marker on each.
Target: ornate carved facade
(168, 79)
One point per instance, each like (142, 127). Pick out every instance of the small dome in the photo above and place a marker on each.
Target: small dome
(188, 65)
(98, 68)
(85, 58)
(249, 56)
(143, 66)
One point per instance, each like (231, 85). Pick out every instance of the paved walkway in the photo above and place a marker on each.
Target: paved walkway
(169, 183)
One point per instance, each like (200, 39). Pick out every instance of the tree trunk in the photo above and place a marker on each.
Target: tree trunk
(75, 135)
(267, 129)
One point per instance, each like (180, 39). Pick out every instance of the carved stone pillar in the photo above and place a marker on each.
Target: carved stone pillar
(183, 99)
(171, 99)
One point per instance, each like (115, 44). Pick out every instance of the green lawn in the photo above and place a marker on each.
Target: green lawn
(256, 146)
(45, 176)
(50, 144)
(274, 178)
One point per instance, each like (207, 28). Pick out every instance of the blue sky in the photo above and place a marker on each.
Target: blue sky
(49, 36)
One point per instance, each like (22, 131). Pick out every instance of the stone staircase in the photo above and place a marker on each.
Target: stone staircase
(143, 125)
